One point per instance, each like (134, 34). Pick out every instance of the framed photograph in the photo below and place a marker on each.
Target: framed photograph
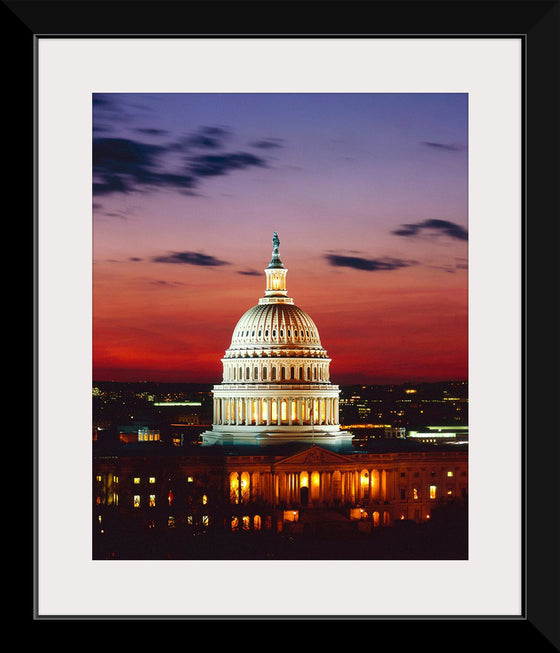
(406, 179)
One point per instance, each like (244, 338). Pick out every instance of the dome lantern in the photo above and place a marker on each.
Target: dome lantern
(275, 276)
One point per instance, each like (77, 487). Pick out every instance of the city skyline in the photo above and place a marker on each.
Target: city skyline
(368, 193)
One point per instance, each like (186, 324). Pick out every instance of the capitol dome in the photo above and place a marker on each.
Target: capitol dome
(275, 330)
(276, 386)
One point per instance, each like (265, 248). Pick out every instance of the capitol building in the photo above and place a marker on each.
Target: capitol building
(276, 384)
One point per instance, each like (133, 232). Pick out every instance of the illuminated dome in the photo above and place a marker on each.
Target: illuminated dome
(275, 386)
(279, 327)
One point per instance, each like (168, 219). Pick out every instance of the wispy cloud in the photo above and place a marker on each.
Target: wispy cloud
(451, 147)
(249, 273)
(368, 264)
(151, 131)
(433, 227)
(268, 143)
(190, 258)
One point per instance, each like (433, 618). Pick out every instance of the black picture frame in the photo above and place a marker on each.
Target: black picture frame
(538, 25)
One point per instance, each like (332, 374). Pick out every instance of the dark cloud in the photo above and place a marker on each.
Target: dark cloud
(249, 273)
(434, 227)
(161, 282)
(208, 137)
(268, 143)
(371, 265)
(99, 128)
(151, 132)
(443, 146)
(214, 165)
(122, 165)
(203, 138)
(134, 258)
(190, 258)
(101, 101)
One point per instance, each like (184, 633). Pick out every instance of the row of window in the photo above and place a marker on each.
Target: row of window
(302, 333)
(137, 479)
(449, 473)
(283, 372)
(136, 500)
(433, 493)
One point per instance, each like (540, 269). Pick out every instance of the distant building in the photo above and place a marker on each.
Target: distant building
(440, 434)
(394, 432)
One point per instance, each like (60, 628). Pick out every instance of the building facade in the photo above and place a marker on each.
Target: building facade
(221, 490)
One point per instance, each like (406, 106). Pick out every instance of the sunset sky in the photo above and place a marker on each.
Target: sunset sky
(368, 194)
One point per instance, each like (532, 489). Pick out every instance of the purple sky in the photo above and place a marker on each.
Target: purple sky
(368, 193)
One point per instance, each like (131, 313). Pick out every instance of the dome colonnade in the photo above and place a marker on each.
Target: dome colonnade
(276, 382)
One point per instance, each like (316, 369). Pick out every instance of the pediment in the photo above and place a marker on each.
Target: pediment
(314, 455)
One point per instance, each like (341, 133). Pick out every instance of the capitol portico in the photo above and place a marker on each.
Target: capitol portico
(276, 384)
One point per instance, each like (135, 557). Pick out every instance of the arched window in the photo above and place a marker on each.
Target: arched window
(301, 372)
(247, 373)
(283, 372)
(264, 373)
(256, 373)
(273, 373)
(292, 372)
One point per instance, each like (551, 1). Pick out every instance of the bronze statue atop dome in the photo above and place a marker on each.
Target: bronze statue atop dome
(276, 262)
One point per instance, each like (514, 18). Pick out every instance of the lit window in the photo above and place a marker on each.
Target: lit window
(190, 479)
(449, 473)
(136, 480)
(152, 501)
(152, 479)
(190, 520)
(432, 491)
(115, 479)
(415, 493)
(204, 499)
(171, 522)
(136, 501)
(205, 520)
(98, 478)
